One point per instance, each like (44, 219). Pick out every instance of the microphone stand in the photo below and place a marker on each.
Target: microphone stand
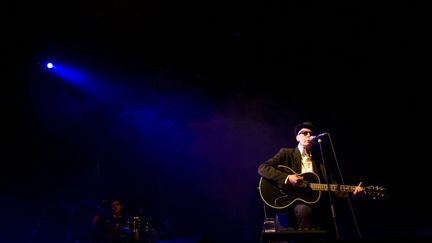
(333, 212)
(329, 190)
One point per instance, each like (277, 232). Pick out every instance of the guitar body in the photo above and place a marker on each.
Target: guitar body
(280, 199)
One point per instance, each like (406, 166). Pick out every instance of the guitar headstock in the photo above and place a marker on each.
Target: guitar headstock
(376, 192)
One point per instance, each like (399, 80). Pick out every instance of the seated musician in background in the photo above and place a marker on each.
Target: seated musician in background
(111, 226)
(300, 159)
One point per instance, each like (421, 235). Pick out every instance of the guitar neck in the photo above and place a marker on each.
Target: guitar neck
(333, 187)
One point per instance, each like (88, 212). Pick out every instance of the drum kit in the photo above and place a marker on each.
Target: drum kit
(135, 229)
(146, 230)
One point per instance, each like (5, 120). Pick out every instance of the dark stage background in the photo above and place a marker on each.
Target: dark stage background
(172, 106)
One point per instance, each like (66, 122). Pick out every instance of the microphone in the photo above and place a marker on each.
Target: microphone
(315, 138)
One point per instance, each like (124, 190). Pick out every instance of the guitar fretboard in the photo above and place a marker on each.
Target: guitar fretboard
(333, 187)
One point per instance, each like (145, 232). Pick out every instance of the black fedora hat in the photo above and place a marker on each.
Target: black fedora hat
(306, 124)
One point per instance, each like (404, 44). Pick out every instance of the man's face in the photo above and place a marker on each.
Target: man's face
(304, 137)
(116, 207)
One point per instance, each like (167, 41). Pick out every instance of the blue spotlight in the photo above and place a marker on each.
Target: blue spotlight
(50, 65)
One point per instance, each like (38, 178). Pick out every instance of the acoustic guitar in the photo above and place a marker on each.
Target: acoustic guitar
(308, 192)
